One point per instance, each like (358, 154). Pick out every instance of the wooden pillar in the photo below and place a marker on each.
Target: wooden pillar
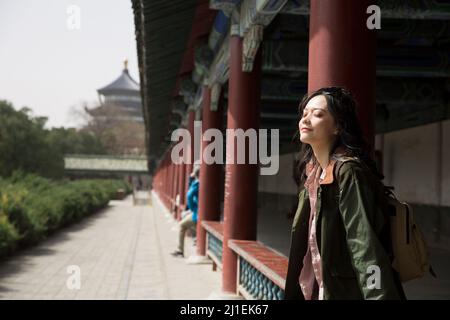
(182, 188)
(241, 180)
(342, 53)
(209, 193)
(166, 196)
(189, 165)
(173, 180)
(175, 188)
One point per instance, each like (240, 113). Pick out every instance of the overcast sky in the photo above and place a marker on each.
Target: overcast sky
(51, 66)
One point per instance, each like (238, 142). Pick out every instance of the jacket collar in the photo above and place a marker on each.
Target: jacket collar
(329, 177)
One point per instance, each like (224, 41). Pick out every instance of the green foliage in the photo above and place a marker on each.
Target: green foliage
(8, 236)
(71, 141)
(32, 207)
(26, 145)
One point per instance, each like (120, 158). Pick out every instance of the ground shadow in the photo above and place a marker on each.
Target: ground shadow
(9, 264)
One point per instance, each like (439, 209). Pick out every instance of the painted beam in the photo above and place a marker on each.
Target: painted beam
(291, 56)
(402, 31)
(389, 90)
(408, 116)
(224, 5)
(399, 9)
(219, 70)
(219, 30)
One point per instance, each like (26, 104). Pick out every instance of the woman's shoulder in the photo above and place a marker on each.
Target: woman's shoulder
(349, 160)
(351, 165)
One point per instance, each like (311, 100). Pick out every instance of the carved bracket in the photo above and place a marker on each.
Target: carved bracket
(215, 96)
(254, 16)
(251, 42)
(224, 5)
(188, 90)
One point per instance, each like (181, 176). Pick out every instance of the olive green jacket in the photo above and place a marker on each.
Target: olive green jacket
(352, 237)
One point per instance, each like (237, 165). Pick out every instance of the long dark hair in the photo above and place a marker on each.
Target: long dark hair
(342, 107)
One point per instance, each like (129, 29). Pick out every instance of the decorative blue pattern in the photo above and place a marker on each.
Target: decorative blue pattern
(256, 284)
(215, 246)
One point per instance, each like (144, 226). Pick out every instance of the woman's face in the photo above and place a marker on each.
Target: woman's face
(321, 124)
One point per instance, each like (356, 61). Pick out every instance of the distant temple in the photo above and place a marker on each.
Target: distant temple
(124, 94)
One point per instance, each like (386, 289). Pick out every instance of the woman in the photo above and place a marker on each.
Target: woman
(340, 245)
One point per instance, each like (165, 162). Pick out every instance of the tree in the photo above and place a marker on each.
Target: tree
(26, 145)
(73, 141)
(119, 134)
(23, 144)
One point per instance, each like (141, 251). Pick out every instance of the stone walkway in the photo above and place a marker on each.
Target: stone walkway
(122, 252)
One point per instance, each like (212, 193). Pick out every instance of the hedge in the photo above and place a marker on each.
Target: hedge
(32, 207)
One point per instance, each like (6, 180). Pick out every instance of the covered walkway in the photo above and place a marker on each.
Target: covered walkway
(228, 66)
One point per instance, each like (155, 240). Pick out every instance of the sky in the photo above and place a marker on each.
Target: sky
(55, 54)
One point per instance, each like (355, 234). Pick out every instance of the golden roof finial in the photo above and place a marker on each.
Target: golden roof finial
(125, 63)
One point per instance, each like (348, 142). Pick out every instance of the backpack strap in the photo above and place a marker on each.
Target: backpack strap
(340, 161)
(388, 190)
(386, 239)
(382, 196)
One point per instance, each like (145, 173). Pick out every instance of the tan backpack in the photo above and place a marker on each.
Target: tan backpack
(410, 251)
(411, 257)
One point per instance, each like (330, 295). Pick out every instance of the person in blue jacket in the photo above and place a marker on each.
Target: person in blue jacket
(190, 220)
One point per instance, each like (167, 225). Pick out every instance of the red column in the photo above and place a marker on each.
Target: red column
(342, 53)
(166, 182)
(189, 165)
(240, 201)
(159, 180)
(162, 169)
(164, 186)
(175, 188)
(171, 179)
(172, 175)
(154, 186)
(209, 193)
(181, 188)
(169, 191)
(156, 181)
